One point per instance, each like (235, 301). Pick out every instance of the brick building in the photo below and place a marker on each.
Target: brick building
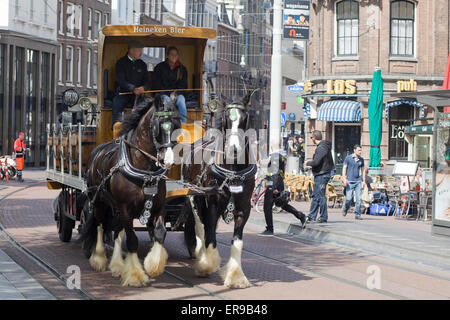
(79, 22)
(408, 40)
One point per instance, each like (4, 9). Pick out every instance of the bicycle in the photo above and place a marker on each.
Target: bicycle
(257, 200)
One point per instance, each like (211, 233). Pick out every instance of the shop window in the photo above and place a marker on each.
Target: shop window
(347, 26)
(402, 28)
(399, 119)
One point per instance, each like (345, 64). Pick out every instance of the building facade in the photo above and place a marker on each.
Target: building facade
(203, 13)
(408, 40)
(79, 22)
(28, 51)
(256, 52)
(228, 56)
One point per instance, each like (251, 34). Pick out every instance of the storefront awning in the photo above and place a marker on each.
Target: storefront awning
(340, 111)
(400, 102)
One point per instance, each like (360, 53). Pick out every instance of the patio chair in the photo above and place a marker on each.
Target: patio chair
(331, 195)
(340, 196)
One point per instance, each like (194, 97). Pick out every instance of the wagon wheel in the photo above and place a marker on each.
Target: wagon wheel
(63, 223)
(84, 214)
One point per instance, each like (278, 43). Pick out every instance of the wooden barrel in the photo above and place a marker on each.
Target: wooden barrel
(88, 144)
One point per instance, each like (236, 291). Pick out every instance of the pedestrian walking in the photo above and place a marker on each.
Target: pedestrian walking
(351, 176)
(275, 193)
(301, 153)
(322, 164)
(19, 149)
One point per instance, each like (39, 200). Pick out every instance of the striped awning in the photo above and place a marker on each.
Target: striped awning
(340, 111)
(306, 111)
(409, 102)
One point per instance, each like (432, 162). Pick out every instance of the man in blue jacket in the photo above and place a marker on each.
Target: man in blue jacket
(322, 164)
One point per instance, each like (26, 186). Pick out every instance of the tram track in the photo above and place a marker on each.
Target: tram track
(61, 277)
(50, 269)
(320, 273)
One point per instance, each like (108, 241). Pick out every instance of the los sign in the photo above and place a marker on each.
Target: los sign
(341, 87)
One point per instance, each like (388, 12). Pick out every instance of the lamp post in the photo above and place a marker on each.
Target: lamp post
(276, 79)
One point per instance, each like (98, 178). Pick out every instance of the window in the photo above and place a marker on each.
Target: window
(61, 17)
(402, 28)
(45, 11)
(17, 8)
(119, 8)
(70, 19)
(153, 11)
(147, 7)
(398, 121)
(94, 77)
(89, 24)
(88, 73)
(106, 18)
(97, 23)
(31, 9)
(347, 21)
(79, 66)
(69, 64)
(60, 63)
(79, 16)
(158, 10)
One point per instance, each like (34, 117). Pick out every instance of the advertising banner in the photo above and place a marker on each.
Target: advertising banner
(442, 198)
(296, 16)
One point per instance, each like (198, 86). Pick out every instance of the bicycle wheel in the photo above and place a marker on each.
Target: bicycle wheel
(260, 203)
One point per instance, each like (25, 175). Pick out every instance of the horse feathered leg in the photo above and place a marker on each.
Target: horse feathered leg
(132, 272)
(208, 260)
(156, 259)
(232, 273)
(117, 262)
(98, 258)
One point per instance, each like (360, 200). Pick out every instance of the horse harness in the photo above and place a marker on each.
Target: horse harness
(147, 181)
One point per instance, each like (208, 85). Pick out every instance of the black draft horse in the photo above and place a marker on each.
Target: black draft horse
(125, 181)
(234, 179)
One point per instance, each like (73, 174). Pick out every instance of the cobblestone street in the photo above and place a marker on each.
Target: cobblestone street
(280, 267)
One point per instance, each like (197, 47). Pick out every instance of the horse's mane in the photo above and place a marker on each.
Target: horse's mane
(131, 120)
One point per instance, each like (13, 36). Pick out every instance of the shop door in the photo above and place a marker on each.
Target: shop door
(345, 138)
(422, 150)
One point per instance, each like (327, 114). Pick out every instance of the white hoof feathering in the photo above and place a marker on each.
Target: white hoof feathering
(98, 257)
(208, 261)
(232, 273)
(132, 272)
(155, 261)
(116, 264)
(199, 231)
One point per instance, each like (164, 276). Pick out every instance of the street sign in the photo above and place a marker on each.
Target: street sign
(300, 100)
(296, 16)
(291, 116)
(283, 119)
(297, 88)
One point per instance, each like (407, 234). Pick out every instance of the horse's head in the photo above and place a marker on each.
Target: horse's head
(235, 123)
(165, 120)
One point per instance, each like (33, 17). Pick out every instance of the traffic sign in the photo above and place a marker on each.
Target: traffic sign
(283, 119)
(297, 88)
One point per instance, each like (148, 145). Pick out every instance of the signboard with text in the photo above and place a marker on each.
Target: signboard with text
(296, 19)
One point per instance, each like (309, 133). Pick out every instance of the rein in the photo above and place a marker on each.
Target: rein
(148, 155)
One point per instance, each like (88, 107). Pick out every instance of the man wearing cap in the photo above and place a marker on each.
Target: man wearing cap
(19, 149)
(131, 76)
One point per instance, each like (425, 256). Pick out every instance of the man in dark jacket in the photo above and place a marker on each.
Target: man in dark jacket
(169, 75)
(131, 76)
(321, 165)
(275, 193)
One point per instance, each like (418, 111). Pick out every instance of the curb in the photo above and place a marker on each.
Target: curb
(374, 246)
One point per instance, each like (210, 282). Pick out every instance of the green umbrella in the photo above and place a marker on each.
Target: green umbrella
(376, 119)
